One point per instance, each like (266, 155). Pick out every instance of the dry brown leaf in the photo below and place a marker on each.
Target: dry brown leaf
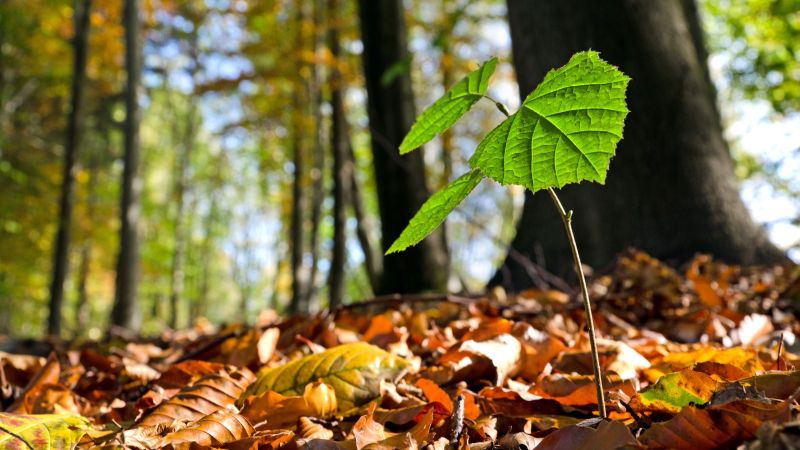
(203, 397)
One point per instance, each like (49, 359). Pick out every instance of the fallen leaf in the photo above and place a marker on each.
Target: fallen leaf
(218, 428)
(723, 426)
(354, 371)
(41, 430)
(593, 434)
(674, 391)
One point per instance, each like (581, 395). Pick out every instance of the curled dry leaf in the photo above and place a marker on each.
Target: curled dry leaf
(46, 376)
(208, 394)
(271, 410)
(308, 429)
(218, 428)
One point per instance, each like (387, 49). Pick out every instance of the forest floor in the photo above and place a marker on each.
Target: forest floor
(697, 359)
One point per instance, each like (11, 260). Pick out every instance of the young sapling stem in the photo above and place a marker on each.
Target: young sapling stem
(566, 219)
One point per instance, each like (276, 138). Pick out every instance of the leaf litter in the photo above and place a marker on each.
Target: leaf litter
(697, 360)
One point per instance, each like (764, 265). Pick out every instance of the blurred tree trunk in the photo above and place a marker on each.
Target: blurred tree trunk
(671, 190)
(71, 148)
(318, 156)
(372, 259)
(400, 181)
(126, 312)
(177, 272)
(82, 309)
(298, 302)
(340, 143)
(206, 250)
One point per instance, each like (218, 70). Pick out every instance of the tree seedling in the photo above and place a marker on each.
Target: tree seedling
(566, 131)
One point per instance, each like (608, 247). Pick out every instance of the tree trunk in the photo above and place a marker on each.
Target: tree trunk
(71, 147)
(298, 301)
(126, 312)
(671, 190)
(177, 275)
(400, 181)
(372, 260)
(318, 157)
(340, 142)
(82, 310)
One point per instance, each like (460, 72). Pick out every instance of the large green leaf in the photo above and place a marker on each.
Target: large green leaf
(435, 210)
(565, 132)
(443, 113)
(354, 370)
(41, 431)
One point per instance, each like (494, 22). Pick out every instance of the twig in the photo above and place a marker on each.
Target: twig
(566, 219)
(780, 348)
(457, 421)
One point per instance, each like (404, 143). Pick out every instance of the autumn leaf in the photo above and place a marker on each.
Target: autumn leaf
(354, 371)
(723, 426)
(218, 428)
(41, 430)
(203, 397)
(676, 390)
(593, 434)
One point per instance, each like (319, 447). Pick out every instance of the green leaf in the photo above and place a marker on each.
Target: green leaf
(354, 370)
(435, 210)
(675, 390)
(565, 132)
(41, 430)
(443, 113)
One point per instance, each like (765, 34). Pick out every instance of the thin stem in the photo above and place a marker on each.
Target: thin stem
(566, 219)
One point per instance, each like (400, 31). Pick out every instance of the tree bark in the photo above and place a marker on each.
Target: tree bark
(340, 143)
(671, 190)
(400, 181)
(125, 312)
(71, 148)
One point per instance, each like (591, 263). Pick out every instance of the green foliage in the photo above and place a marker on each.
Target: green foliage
(435, 210)
(565, 132)
(41, 430)
(443, 113)
(676, 390)
(761, 38)
(354, 370)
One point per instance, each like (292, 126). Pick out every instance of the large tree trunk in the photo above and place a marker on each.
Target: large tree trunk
(71, 147)
(671, 190)
(126, 312)
(400, 180)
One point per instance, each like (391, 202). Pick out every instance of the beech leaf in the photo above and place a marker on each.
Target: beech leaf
(354, 370)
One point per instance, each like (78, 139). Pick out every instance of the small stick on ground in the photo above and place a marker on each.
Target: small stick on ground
(780, 349)
(457, 421)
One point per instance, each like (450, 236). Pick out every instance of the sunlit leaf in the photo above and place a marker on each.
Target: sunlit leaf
(354, 370)
(41, 430)
(445, 111)
(566, 130)
(676, 390)
(435, 210)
